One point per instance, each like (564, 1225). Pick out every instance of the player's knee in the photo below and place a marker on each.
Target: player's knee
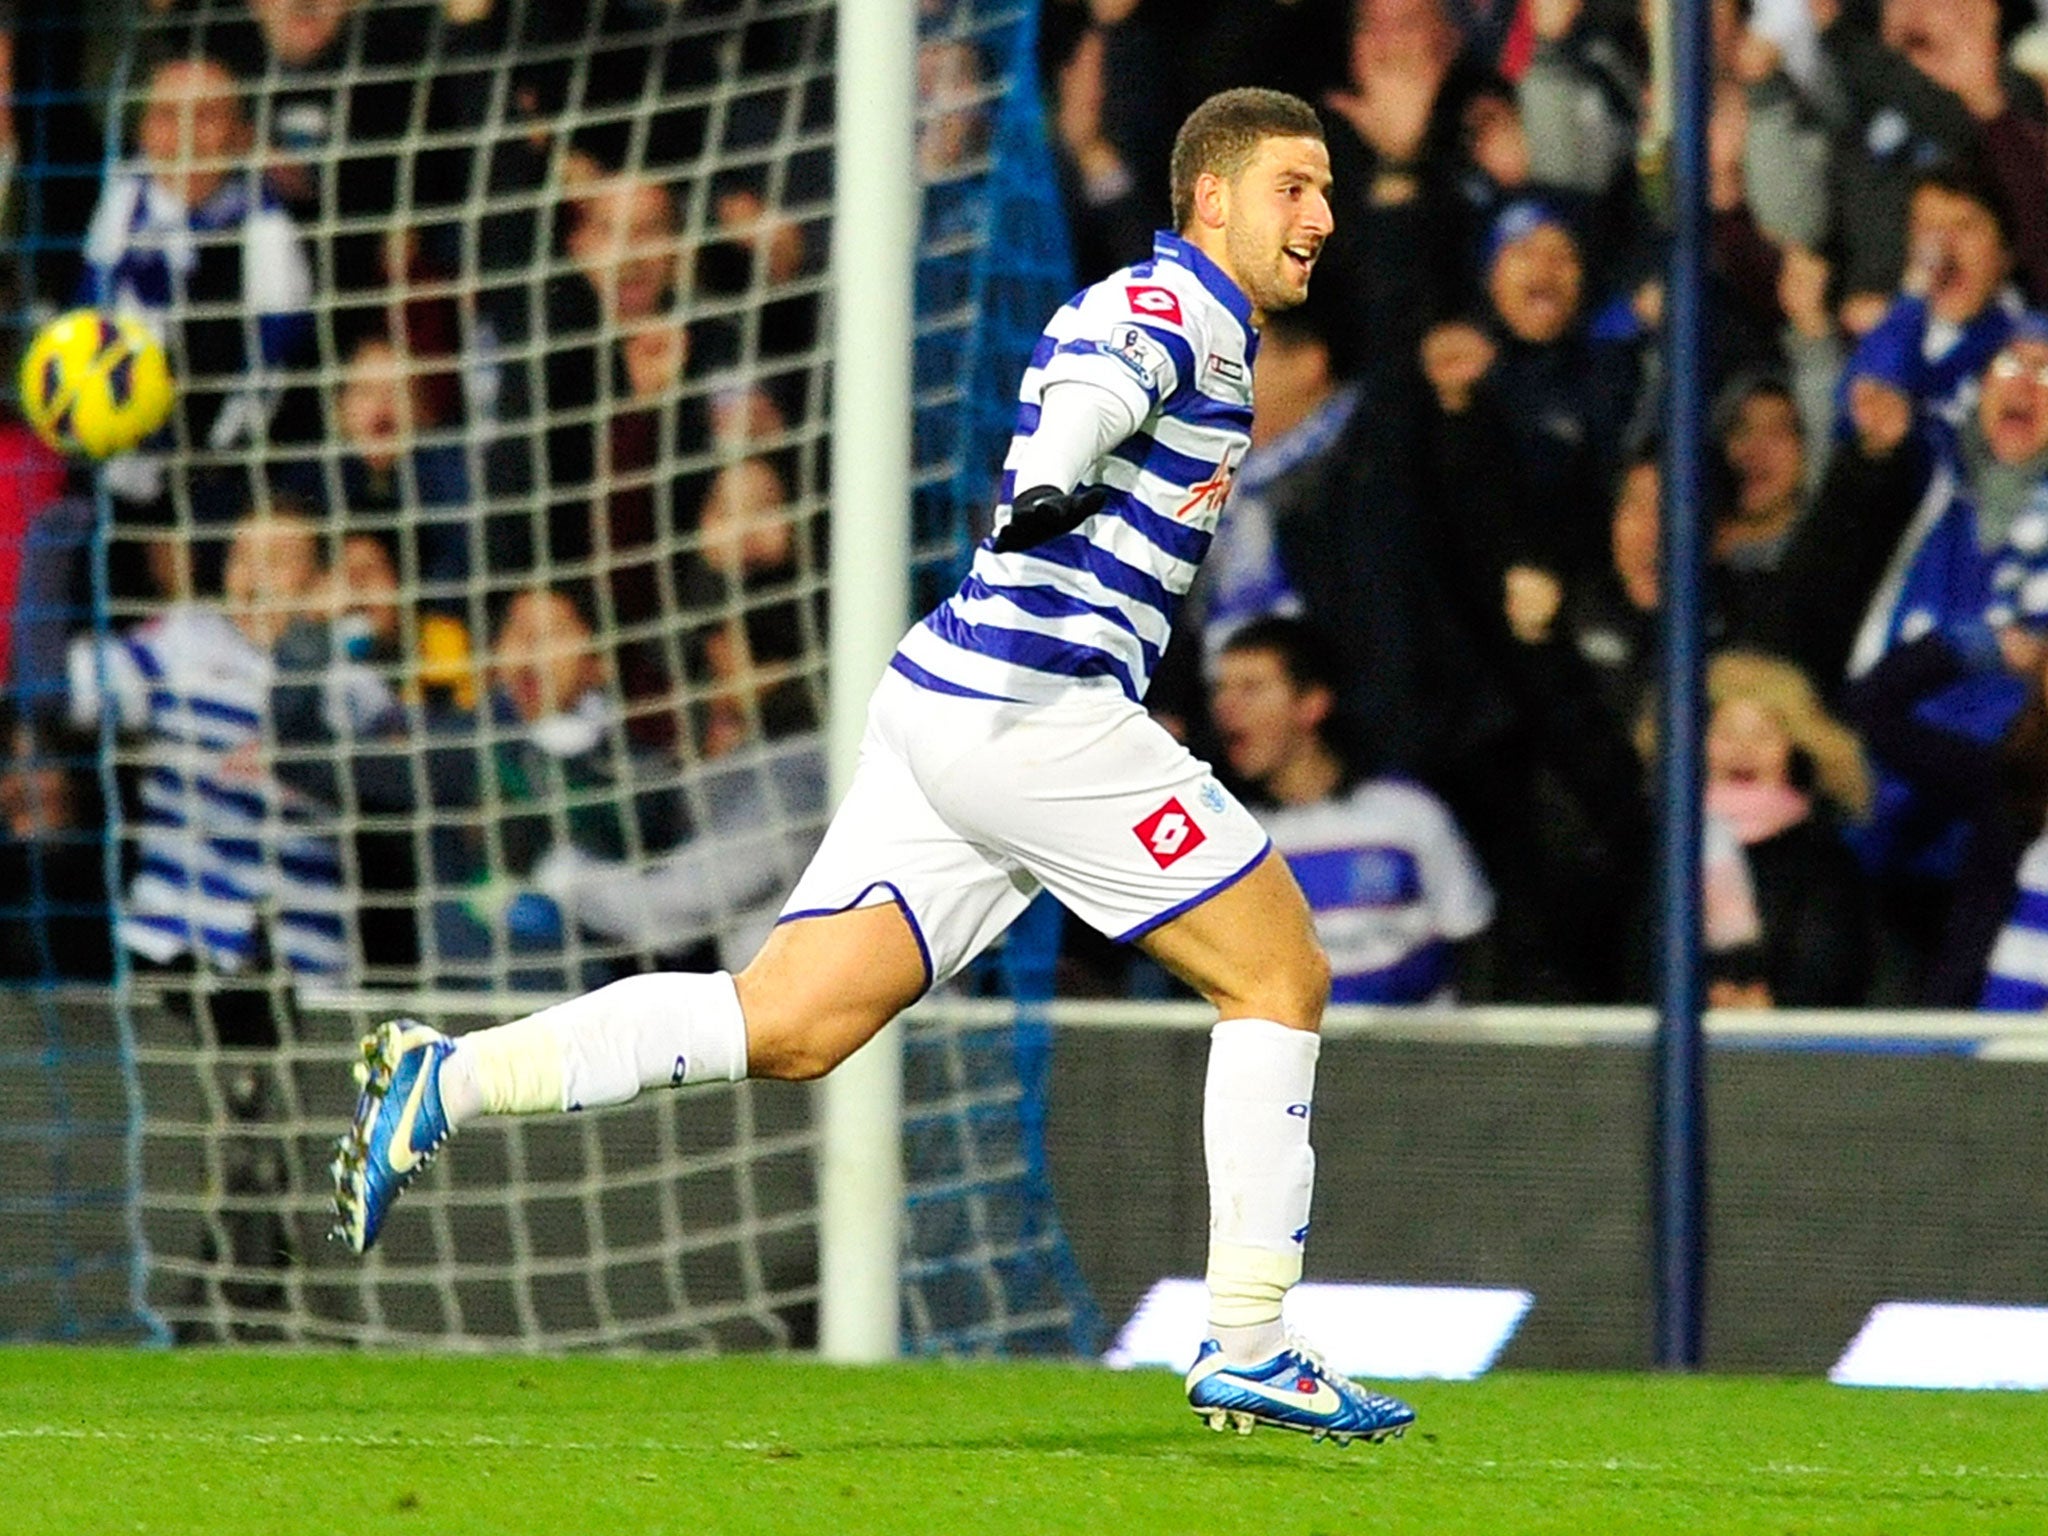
(797, 1038)
(1296, 991)
(1310, 985)
(789, 1061)
(785, 1045)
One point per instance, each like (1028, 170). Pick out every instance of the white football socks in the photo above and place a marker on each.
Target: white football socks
(1255, 1112)
(661, 1030)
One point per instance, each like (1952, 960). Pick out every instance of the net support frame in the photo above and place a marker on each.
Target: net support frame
(1679, 1089)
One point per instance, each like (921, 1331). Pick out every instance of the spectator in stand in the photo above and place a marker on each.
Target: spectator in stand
(230, 877)
(748, 571)
(55, 921)
(1989, 951)
(31, 478)
(1904, 540)
(1784, 777)
(333, 93)
(1579, 97)
(1112, 128)
(1395, 136)
(1955, 308)
(1303, 412)
(1786, 147)
(756, 806)
(389, 470)
(1927, 88)
(1763, 458)
(1377, 519)
(561, 767)
(192, 242)
(1394, 888)
(545, 760)
(627, 423)
(1610, 616)
(1903, 544)
(1564, 398)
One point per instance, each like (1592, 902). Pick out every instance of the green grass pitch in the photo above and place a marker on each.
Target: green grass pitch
(95, 1442)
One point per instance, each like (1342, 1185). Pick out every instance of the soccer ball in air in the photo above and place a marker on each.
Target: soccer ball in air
(95, 383)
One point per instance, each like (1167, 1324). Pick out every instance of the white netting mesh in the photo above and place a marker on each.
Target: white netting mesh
(463, 634)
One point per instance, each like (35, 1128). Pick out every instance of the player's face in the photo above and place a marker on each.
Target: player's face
(1747, 744)
(1277, 218)
(1259, 713)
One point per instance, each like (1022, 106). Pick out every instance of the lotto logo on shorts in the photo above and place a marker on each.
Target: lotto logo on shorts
(1160, 303)
(1169, 832)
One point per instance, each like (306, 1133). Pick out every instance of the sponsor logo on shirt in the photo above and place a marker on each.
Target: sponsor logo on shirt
(1223, 370)
(1208, 497)
(1158, 303)
(1170, 834)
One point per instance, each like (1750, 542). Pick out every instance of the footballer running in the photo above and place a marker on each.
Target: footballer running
(1008, 750)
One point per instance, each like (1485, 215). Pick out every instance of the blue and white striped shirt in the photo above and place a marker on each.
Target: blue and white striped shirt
(1391, 883)
(216, 848)
(1092, 609)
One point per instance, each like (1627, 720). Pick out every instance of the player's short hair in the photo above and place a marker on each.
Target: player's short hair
(1304, 652)
(1224, 132)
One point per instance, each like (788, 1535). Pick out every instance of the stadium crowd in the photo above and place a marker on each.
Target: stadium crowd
(467, 619)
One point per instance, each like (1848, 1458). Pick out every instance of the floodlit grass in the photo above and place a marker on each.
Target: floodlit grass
(217, 1442)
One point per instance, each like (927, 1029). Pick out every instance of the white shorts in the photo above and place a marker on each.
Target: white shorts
(961, 810)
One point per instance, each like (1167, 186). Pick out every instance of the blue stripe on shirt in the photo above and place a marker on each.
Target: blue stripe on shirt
(1334, 878)
(1200, 410)
(1051, 603)
(210, 882)
(144, 658)
(1038, 653)
(1077, 553)
(1180, 540)
(937, 684)
(1154, 457)
(204, 708)
(1414, 978)
(327, 924)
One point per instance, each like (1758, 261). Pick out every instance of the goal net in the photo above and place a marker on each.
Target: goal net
(459, 644)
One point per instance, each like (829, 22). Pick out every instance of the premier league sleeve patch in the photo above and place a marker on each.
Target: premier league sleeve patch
(1138, 351)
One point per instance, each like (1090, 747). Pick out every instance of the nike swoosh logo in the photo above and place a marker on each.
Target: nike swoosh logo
(1324, 1400)
(399, 1153)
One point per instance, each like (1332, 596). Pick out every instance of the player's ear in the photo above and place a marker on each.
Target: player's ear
(1211, 207)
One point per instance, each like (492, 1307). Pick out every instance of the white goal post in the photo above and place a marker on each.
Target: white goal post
(874, 243)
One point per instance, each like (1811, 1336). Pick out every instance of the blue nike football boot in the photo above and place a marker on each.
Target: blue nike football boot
(1293, 1390)
(398, 1127)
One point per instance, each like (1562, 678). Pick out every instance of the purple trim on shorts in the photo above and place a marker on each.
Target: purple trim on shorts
(924, 952)
(1193, 901)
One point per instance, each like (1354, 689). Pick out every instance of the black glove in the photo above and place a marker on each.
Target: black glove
(1043, 513)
